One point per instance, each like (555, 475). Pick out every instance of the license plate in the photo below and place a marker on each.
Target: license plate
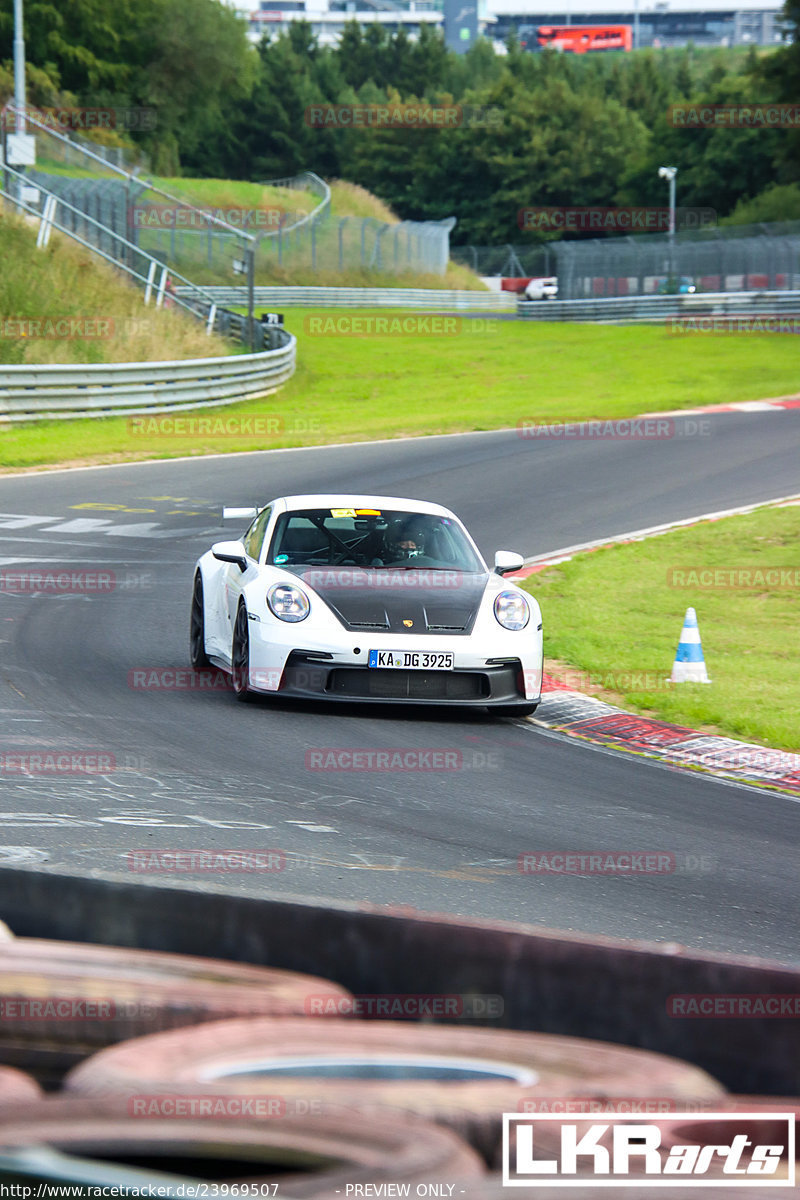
(412, 660)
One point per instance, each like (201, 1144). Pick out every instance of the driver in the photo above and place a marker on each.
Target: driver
(406, 539)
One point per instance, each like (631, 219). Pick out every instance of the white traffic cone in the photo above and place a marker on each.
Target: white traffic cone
(689, 665)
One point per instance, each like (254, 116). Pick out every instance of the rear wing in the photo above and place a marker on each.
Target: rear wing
(240, 514)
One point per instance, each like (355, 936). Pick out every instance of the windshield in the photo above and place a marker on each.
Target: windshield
(369, 537)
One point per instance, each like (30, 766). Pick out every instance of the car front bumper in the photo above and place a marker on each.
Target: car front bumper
(312, 678)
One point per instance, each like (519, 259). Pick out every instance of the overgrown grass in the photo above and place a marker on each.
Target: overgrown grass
(484, 374)
(232, 193)
(617, 613)
(64, 280)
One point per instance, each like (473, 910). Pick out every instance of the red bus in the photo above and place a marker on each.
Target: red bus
(576, 39)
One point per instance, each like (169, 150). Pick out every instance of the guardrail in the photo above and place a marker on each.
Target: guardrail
(322, 297)
(613, 310)
(30, 393)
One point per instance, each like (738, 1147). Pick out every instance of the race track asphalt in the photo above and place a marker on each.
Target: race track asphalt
(196, 770)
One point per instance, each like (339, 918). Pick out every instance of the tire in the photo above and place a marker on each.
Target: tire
(240, 657)
(318, 1150)
(517, 1066)
(17, 1088)
(197, 628)
(142, 992)
(513, 710)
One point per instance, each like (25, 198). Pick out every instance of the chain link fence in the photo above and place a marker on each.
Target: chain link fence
(736, 258)
(512, 262)
(209, 243)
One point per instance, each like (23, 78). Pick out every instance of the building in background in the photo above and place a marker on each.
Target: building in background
(654, 22)
(329, 17)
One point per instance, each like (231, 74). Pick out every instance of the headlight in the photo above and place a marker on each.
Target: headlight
(288, 603)
(512, 610)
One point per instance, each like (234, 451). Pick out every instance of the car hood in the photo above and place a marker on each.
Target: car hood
(415, 601)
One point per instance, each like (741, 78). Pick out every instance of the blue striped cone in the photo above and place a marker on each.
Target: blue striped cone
(689, 665)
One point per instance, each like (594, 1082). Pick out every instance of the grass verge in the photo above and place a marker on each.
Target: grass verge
(485, 373)
(105, 318)
(615, 616)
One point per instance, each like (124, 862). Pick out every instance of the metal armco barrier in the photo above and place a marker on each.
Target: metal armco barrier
(319, 297)
(613, 310)
(29, 393)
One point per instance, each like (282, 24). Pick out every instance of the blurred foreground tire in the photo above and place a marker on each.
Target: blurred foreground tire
(60, 1001)
(465, 1078)
(17, 1088)
(304, 1155)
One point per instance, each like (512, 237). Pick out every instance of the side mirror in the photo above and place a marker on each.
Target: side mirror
(231, 552)
(507, 560)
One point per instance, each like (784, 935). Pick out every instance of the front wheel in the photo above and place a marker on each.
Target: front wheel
(514, 710)
(197, 628)
(240, 657)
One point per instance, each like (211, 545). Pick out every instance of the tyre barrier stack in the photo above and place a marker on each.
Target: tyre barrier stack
(211, 1070)
(62, 1001)
(462, 1078)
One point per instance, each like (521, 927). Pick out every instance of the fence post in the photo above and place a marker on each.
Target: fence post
(151, 274)
(162, 287)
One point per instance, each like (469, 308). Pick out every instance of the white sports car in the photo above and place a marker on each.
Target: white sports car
(369, 598)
